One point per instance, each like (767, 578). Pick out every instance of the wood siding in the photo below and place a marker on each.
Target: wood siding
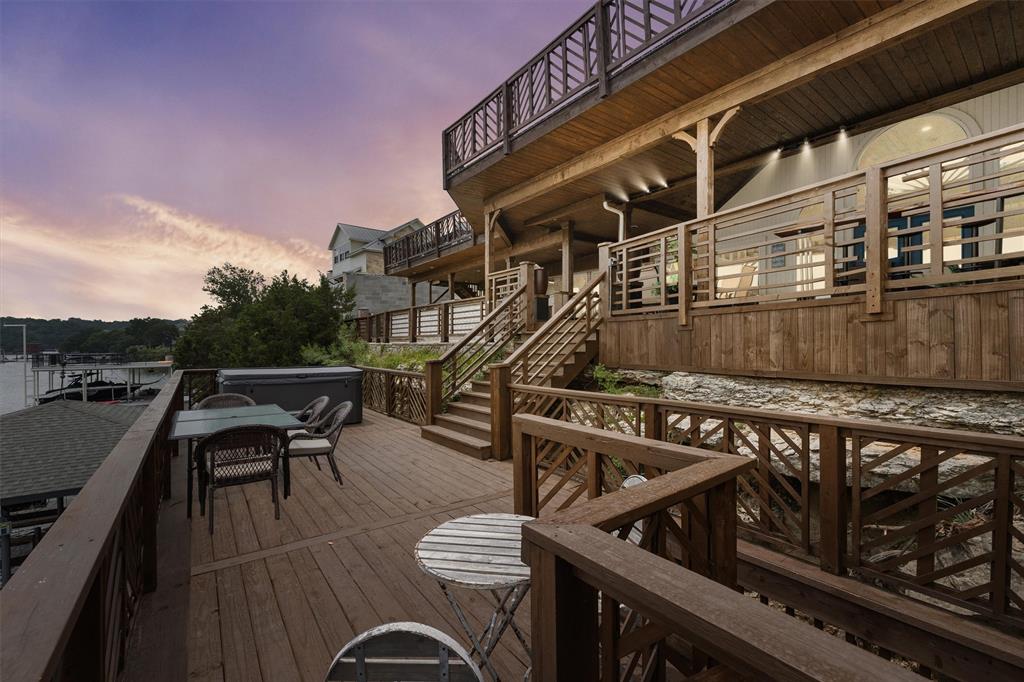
(972, 337)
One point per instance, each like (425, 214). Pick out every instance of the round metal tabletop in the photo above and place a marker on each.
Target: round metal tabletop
(480, 552)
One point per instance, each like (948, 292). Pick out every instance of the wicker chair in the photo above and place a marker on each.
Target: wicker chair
(322, 442)
(312, 412)
(403, 651)
(225, 400)
(239, 455)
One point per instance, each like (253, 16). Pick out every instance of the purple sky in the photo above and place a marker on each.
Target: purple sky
(143, 142)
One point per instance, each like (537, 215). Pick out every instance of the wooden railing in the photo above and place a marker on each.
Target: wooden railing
(395, 393)
(538, 359)
(501, 284)
(954, 215)
(68, 612)
(629, 582)
(496, 334)
(608, 38)
(927, 511)
(428, 242)
(439, 321)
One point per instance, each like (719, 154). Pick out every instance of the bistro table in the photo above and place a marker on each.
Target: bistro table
(192, 425)
(480, 552)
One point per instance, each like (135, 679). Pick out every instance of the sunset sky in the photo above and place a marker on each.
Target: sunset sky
(143, 142)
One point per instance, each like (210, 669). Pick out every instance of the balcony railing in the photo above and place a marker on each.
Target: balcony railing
(954, 215)
(428, 241)
(609, 37)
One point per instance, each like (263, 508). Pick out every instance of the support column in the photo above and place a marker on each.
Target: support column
(489, 219)
(705, 170)
(567, 263)
(412, 312)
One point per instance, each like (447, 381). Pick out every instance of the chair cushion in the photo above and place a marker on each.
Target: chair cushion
(303, 447)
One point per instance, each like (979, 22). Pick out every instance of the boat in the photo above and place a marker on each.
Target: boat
(99, 390)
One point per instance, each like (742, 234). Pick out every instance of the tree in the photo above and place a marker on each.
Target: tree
(255, 323)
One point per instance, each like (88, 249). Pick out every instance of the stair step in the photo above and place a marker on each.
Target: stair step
(475, 398)
(481, 413)
(466, 425)
(482, 386)
(460, 442)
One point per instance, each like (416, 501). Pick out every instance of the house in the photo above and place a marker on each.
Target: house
(357, 255)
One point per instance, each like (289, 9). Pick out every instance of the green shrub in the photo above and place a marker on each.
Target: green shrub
(609, 381)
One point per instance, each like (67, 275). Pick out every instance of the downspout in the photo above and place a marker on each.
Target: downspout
(622, 218)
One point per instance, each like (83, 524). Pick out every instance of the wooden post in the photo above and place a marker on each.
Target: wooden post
(935, 217)
(833, 500)
(685, 274)
(567, 263)
(563, 615)
(432, 387)
(601, 25)
(605, 288)
(526, 270)
(506, 118)
(652, 422)
(594, 477)
(489, 219)
(412, 312)
(722, 533)
(875, 247)
(524, 488)
(705, 170)
(501, 411)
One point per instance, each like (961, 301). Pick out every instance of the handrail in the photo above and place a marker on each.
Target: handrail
(447, 374)
(447, 231)
(870, 476)
(837, 237)
(608, 38)
(70, 605)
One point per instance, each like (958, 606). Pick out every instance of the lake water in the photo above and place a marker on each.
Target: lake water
(13, 385)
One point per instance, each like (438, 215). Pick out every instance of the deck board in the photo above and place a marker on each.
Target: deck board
(276, 599)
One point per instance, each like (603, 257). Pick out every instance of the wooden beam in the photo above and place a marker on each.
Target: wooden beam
(720, 126)
(567, 263)
(705, 170)
(664, 210)
(500, 232)
(866, 37)
(553, 216)
(686, 137)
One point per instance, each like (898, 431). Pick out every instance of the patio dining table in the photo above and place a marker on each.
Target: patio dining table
(191, 425)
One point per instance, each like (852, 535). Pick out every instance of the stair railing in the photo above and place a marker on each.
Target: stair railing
(495, 334)
(539, 357)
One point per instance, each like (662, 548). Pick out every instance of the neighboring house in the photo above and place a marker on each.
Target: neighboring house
(357, 255)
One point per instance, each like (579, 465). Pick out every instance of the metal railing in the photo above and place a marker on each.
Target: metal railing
(428, 241)
(608, 38)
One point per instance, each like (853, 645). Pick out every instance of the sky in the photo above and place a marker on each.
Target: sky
(142, 143)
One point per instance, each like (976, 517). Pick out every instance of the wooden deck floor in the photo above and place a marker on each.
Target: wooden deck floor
(275, 600)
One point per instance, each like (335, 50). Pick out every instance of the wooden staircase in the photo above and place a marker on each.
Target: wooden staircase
(465, 426)
(551, 356)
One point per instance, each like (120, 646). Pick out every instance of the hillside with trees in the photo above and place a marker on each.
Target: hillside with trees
(139, 338)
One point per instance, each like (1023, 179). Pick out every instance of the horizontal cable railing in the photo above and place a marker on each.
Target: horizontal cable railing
(954, 215)
(928, 511)
(428, 241)
(395, 393)
(68, 611)
(608, 38)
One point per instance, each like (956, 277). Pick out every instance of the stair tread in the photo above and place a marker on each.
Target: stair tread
(465, 421)
(456, 436)
(476, 394)
(470, 406)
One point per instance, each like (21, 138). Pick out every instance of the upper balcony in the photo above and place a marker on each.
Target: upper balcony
(427, 246)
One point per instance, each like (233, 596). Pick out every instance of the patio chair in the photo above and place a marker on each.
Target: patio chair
(403, 651)
(225, 400)
(239, 455)
(313, 411)
(322, 442)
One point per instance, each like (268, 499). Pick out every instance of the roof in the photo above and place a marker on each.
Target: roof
(356, 233)
(404, 229)
(56, 447)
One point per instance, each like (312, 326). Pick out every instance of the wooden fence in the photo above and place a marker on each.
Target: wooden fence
(928, 511)
(395, 393)
(68, 612)
(632, 582)
(954, 215)
(439, 322)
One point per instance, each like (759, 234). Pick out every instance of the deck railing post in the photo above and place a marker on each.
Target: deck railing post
(685, 285)
(524, 473)
(526, 270)
(721, 506)
(602, 48)
(605, 288)
(833, 501)
(432, 378)
(150, 505)
(389, 393)
(563, 615)
(413, 324)
(875, 247)
(501, 411)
